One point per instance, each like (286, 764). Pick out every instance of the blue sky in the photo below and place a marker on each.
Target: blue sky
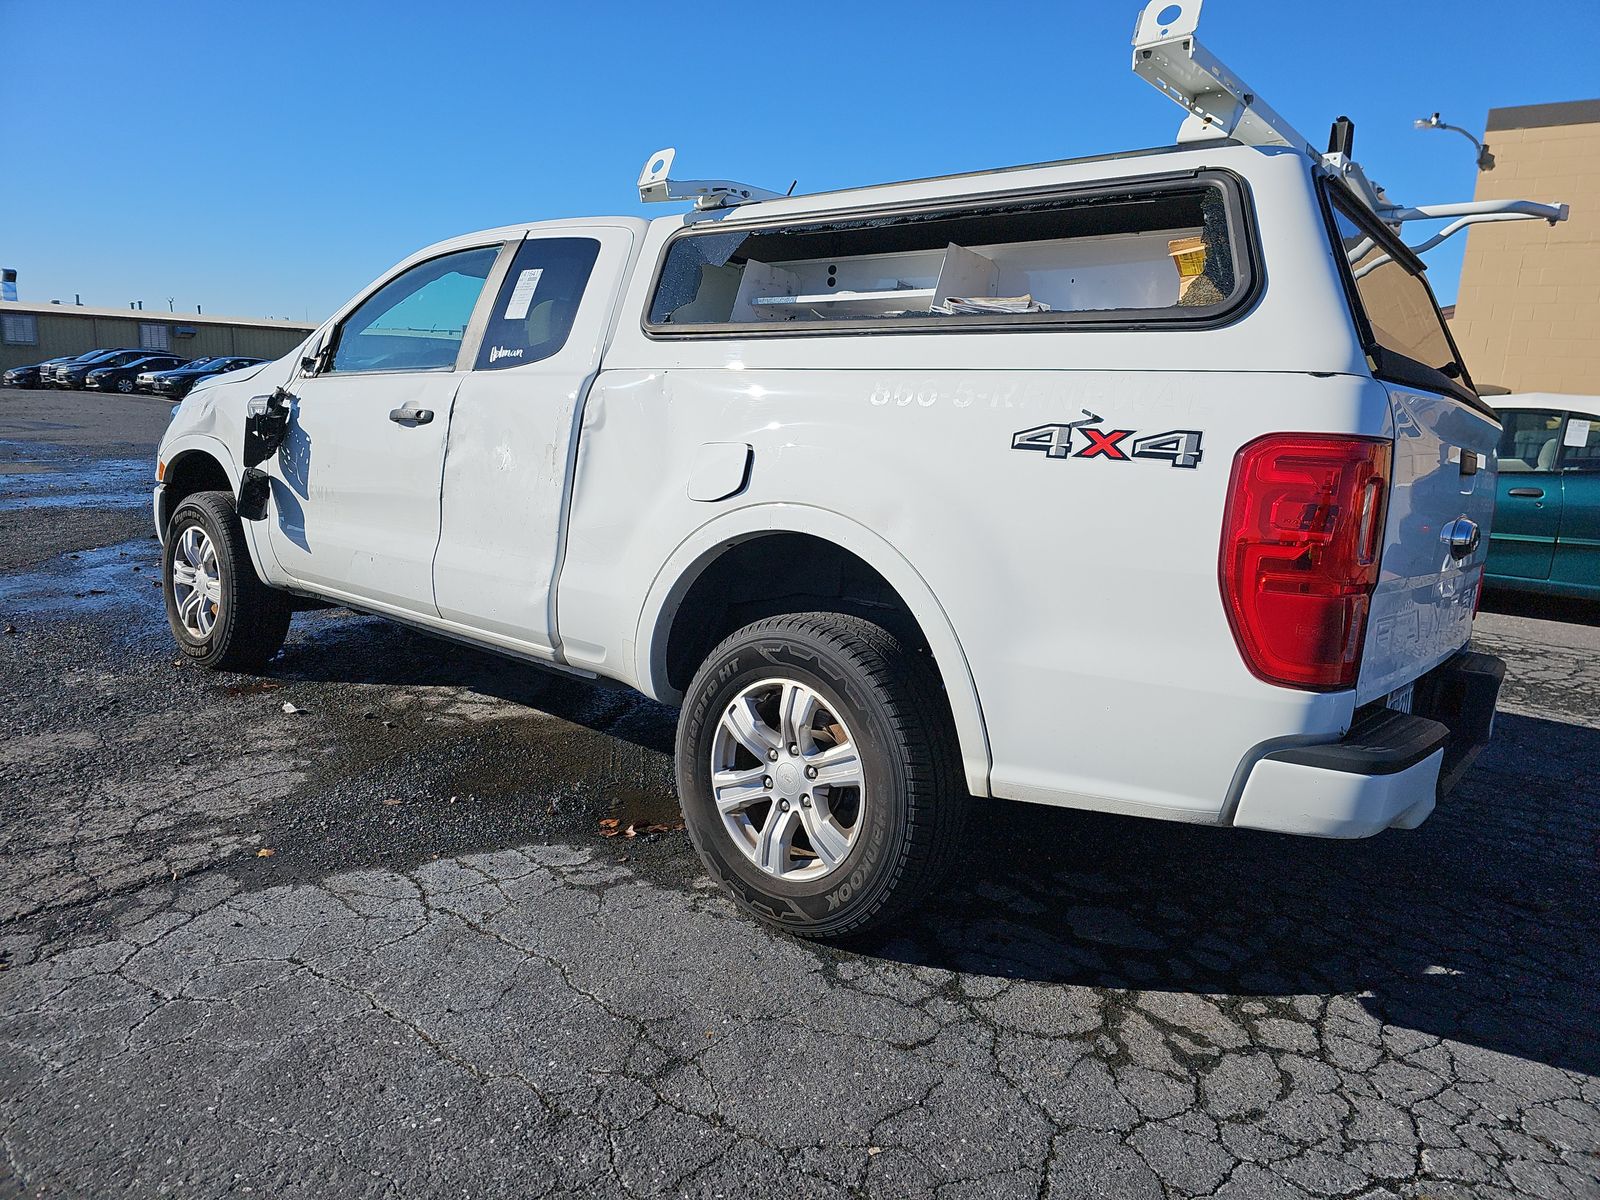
(270, 158)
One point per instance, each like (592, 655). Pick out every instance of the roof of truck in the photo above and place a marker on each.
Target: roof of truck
(936, 185)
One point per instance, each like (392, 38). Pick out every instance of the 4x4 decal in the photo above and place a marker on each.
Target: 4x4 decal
(1177, 447)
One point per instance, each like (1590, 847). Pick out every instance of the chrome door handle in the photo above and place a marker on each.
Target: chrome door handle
(1530, 493)
(410, 416)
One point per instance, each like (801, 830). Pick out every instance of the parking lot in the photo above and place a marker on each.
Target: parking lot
(381, 945)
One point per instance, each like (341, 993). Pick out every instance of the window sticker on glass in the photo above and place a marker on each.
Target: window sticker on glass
(522, 294)
(1577, 432)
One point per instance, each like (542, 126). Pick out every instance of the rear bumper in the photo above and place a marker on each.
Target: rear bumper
(1391, 767)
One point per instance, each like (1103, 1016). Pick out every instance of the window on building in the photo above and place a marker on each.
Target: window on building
(1164, 252)
(19, 329)
(155, 337)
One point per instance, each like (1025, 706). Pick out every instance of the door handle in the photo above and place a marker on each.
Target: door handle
(1529, 493)
(410, 416)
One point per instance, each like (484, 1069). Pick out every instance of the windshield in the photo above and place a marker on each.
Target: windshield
(1409, 332)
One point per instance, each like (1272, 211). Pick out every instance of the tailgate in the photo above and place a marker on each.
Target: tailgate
(1423, 607)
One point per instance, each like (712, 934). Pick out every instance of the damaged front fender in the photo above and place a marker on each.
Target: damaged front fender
(266, 424)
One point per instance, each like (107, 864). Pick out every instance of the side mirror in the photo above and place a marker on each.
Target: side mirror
(316, 362)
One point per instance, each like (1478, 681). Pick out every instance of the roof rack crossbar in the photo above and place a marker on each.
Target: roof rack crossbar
(655, 186)
(1168, 56)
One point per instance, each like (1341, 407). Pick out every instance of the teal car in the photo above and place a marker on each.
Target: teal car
(1546, 533)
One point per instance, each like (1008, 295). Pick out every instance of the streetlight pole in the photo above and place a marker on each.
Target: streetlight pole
(1485, 159)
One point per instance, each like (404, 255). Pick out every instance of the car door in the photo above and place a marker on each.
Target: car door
(513, 434)
(1577, 560)
(1528, 494)
(355, 486)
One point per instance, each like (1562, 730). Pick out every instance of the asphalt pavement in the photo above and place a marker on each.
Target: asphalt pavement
(379, 945)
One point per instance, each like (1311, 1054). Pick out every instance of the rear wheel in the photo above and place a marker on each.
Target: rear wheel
(221, 614)
(125, 386)
(818, 773)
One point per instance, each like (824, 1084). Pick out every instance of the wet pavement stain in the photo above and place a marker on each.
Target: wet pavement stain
(42, 476)
(124, 578)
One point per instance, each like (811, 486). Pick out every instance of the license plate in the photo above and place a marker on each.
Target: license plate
(1400, 698)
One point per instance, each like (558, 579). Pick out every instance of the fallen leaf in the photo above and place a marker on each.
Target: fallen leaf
(291, 709)
(392, 803)
(874, 1149)
(265, 852)
(609, 828)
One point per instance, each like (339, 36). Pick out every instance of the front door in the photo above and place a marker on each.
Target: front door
(1527, 511)
(513, 435)
(355, 486)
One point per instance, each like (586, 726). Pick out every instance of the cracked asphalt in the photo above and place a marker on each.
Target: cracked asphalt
(442, 981)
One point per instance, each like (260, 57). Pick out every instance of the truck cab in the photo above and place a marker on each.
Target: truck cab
(1150, 484)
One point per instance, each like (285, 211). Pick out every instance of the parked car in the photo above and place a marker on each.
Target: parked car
(75, 374)
(145, 381)
(176, 383)
(1019, 483)
(29, 376)
(121, 378)
(52, 377)
(1547, 502)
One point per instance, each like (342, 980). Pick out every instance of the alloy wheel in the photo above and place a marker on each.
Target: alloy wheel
(787, 780)
(196, 582)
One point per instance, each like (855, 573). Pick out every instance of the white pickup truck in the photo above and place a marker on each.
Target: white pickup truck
(1150, 484)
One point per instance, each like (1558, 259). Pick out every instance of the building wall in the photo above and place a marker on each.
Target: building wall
(70, 330)
(1528, 313)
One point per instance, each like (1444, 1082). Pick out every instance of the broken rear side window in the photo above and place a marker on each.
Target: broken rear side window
(1163, 252)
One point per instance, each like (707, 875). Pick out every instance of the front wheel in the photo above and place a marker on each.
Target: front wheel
(221, 614)
(818, 773)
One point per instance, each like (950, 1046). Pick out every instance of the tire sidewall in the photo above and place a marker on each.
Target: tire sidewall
(212, 648)
(838, 899)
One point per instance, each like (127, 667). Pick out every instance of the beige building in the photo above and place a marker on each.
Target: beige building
(1527, 316)
(31, 333)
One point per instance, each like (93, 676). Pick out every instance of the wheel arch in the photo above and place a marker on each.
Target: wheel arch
(192, 464)
(198, 463)
(695, 562)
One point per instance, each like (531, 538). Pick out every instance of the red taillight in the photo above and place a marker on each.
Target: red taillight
(1300, 547)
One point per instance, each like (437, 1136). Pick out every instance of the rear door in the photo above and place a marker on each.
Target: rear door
(1577, 557)
(1442, 489)
(1529, 495)
(514, 434)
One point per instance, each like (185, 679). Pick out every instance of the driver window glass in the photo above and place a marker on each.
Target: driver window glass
(1530, 441)
(416, 321)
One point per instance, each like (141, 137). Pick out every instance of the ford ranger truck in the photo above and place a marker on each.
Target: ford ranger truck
(1149, 484)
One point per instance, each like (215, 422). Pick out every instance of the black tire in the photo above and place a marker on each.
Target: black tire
(915, 805)
(252, 619)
